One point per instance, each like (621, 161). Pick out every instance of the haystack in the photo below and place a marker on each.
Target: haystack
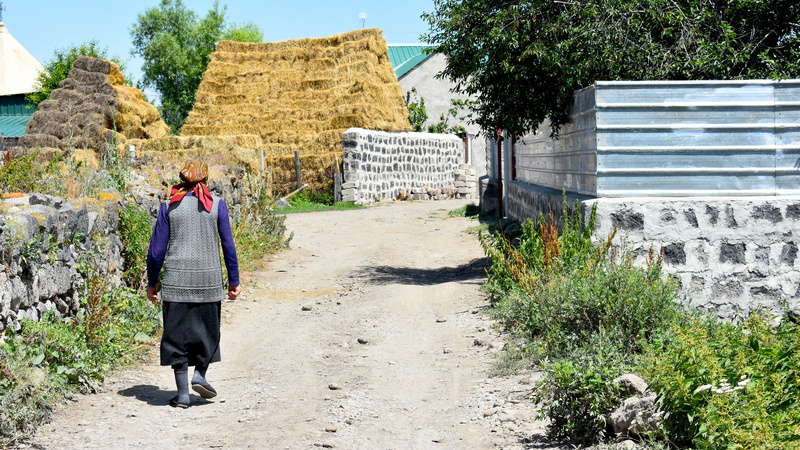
(92, 109)
(299, 95)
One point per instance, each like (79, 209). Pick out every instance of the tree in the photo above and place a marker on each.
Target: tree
(176, 47)
(524, 59)
(57, 68)
(417, 113)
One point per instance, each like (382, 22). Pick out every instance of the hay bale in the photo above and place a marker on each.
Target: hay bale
(92, 109)
(156, 129)
(39, 140)
(162, 144)
(299, 94)
(90, 64)
(85, 77)
(67, 83)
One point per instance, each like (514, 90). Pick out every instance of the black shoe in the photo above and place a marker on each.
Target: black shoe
(176, 404)
(204, 389)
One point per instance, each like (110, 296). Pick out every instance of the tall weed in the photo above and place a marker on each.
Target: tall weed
(257, 229)
(135, 226)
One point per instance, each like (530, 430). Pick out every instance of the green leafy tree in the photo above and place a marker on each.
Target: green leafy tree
(417, 113)
(176, 47)
(524, 59)
(58, 67)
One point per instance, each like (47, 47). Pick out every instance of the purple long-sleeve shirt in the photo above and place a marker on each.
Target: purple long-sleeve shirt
(158, 244)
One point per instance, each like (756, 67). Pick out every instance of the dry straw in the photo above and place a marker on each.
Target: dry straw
(92, 109)
(298, 95)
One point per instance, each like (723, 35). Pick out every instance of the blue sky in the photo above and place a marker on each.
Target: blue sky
(42, 26)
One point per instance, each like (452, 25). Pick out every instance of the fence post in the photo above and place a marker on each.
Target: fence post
(270, 181)
(297, 168)
(261, 163)
(337, 187)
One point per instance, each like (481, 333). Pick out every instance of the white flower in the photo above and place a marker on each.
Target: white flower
(703, 388)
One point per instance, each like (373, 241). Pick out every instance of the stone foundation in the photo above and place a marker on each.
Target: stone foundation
(730, 254)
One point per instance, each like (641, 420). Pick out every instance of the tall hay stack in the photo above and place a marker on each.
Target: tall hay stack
(299, 95)
(92, 109)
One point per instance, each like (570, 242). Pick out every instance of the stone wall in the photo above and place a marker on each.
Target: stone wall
(47, 243)
(730, 254)
(379, 165)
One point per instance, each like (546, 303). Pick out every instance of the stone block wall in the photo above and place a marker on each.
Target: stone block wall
(46, 244)
(730, 254)
(379, 165)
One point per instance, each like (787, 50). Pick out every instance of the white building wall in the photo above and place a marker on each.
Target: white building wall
(437, 94)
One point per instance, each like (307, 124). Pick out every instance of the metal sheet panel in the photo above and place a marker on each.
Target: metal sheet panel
(683, 138)
(569, 162)
(13, 126)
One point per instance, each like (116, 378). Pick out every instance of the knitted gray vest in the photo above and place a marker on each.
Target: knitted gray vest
(192, 268)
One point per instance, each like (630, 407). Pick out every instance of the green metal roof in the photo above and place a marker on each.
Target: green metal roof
(15, 114)
(405, 57)
(13, 126)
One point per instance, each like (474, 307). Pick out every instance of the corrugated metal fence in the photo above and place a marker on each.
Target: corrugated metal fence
(672, 138)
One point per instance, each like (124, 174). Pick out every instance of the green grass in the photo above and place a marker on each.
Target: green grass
(314, 202)
(468, 210)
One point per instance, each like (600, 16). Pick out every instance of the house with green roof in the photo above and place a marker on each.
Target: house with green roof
(416, 68)
(18, 73)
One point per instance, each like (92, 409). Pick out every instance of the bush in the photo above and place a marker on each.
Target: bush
(47, 359)
(562, 289)
(584, 309)
(62, 175)
(135, 227)
(25, 174)
(577, 392)
(729, 386)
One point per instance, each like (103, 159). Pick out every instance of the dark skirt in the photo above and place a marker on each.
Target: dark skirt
(191, 333)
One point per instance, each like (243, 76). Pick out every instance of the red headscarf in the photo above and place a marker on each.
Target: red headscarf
(194, 176)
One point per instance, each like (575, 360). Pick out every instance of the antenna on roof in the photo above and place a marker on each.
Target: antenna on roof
(2, 8)
(362, 16)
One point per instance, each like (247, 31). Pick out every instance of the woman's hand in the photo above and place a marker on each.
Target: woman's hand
(233, 292)
(152, 294)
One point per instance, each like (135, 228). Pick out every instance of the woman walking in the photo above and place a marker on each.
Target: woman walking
(190, 228)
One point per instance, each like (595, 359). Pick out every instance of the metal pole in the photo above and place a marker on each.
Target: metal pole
(501, 210)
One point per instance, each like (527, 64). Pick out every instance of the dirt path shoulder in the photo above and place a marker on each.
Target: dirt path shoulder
(368, 333)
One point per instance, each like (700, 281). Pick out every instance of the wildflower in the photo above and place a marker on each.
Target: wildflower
(724, 386)
(703, 388)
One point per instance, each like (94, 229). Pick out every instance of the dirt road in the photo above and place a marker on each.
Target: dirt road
(368, 333)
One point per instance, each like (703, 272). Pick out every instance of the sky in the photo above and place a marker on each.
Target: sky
(44, 26)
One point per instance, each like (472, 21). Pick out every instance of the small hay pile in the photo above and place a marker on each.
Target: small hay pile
(299, 95)
(92, 109)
